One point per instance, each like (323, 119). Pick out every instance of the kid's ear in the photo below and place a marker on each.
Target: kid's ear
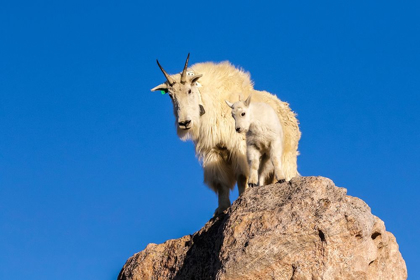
(229, 104)
(248, 100)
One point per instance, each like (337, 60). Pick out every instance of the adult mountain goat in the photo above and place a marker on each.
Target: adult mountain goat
(198, 95)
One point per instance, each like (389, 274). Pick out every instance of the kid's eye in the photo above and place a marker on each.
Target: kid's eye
(243, 114)
(189, 91)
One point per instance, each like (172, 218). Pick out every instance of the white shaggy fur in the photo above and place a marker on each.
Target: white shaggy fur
(264, 138)
(202, 116)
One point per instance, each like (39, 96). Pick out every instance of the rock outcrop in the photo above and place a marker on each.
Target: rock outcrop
(303, 229)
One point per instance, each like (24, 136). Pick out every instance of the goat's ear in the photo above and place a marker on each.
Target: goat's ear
(229, 104)
(248, 100)
(161, 87)
(202, 111)
(195, 78)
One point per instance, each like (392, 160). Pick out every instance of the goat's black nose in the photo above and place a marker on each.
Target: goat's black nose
(184, 123)
(238, 129)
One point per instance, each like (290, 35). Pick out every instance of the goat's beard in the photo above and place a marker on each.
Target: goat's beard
(187, 134)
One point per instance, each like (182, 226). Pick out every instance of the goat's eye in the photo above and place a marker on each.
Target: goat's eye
(243, 114)
(189, 91)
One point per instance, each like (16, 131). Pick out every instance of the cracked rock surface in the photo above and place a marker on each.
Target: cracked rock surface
(303, 229)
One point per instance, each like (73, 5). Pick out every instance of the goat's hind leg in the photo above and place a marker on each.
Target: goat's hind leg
(275, 155)
(266, 171)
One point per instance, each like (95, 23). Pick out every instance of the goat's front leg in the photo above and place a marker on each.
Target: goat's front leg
(218, 175)
(224, 201)
(253, 156)
(241, 181)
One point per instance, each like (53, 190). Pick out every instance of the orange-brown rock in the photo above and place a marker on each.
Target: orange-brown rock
(304, 229)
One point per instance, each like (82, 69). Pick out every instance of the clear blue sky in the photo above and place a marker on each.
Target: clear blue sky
(91, 169)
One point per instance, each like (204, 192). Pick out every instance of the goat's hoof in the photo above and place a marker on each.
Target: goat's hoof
(251, 185)
(281, 181)
(219, 211)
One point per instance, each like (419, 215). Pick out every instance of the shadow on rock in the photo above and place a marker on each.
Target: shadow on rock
(202, 259)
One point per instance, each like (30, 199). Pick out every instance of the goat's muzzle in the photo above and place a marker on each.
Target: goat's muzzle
(185, 124)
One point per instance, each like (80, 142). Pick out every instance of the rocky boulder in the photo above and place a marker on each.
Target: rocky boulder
(303, 229)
